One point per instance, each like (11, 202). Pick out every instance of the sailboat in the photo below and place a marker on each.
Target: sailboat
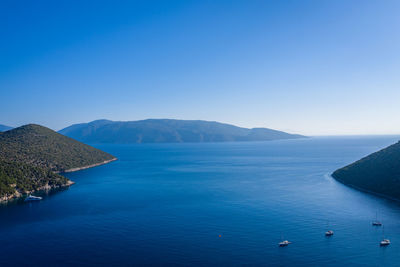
(376, 222)
(328, 232)
(384, 242)
(284, 243)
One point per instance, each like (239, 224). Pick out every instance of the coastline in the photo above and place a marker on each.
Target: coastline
(366, 190)
(47, 187)
(88, 166)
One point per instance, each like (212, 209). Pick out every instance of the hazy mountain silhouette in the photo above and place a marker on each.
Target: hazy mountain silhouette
(168, 131)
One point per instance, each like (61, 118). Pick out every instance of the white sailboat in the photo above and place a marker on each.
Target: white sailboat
(376, 222)
(385, 241)
(284, 243)
(328, 232)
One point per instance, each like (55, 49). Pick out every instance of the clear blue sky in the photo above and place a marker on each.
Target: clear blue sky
(310, 67)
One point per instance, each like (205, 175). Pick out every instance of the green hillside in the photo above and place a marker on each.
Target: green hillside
(42, 147)
(24, 178)
(377, 173)
(32, 155)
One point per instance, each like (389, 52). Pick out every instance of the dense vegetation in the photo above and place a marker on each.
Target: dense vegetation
(39, 146)
(168, 131)
(24, 178)
(378, 172)
(31, 156)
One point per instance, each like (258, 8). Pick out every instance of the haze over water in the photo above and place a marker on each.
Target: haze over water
(208, 204)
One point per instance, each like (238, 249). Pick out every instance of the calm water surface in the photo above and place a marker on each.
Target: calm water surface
(224, 204)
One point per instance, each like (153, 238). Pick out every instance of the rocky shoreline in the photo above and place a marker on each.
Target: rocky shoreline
(47, 187)
(89, 166)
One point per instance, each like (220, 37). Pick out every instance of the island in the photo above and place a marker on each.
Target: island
(377, 173)
(168, 131)
(33, 157)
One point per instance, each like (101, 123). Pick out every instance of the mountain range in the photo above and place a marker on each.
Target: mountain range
(168, 131)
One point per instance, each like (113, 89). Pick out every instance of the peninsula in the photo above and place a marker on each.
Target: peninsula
(377, 173)
(32, 158)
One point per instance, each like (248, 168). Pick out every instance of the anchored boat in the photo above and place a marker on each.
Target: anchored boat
(33, 198)
(376, 222)
(284, 243)
(385, 241)
(329, 233)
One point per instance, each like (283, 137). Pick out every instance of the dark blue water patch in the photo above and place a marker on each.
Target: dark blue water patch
(219, 204)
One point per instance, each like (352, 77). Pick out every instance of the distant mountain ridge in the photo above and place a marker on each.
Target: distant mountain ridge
(168, 131)
(4, 128)
(377, 173)
(31, 156)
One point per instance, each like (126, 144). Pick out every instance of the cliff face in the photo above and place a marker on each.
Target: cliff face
(31, 157)
(378, 173)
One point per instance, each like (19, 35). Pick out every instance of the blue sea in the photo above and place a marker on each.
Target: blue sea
(209, 204)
